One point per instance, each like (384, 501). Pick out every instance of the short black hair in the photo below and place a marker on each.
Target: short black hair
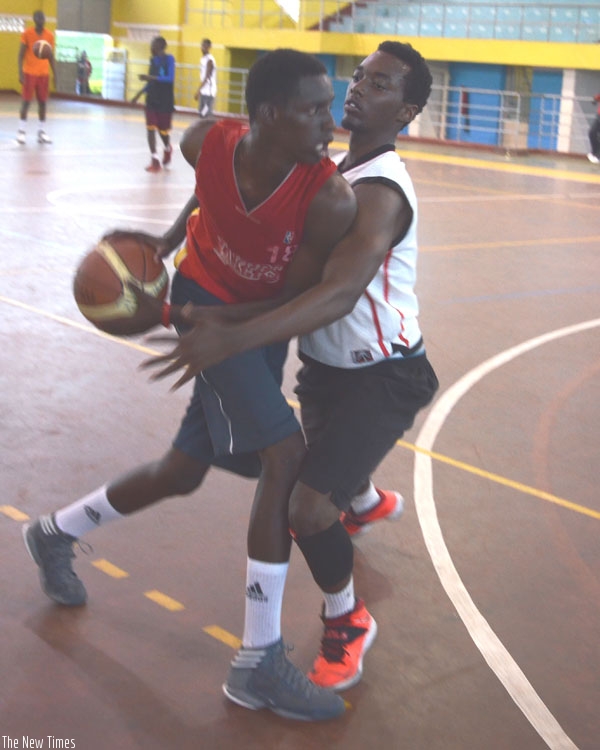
(160, 41)
(275, 77)
(207, 41)
(418, 80)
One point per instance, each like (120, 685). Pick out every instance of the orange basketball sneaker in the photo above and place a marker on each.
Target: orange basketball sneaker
(389, 507)
(345, 641)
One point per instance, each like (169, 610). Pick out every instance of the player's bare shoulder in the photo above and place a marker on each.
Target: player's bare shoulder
(193, 138)
(333, 210)
(337, 195)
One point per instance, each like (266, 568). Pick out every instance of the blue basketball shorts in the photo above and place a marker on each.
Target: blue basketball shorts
(237, 407)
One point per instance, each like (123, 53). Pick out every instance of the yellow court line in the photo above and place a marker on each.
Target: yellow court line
(79, 326)
(164, 601)
(544, 241)
(223, 635)
(13, 513)
(526, 489)
(496, 166)
(111, 570)
(295, 405)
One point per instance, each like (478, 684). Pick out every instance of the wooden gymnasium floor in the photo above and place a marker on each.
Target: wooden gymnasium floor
(487, 591)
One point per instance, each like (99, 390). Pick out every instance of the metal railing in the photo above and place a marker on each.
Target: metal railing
(506, 120)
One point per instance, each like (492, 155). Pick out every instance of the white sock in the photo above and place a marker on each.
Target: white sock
(264, 596)
(86, 514)
(341, 602)
(366, 500)
(22, 124)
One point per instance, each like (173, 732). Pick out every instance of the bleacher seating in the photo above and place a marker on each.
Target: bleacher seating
(535, 32)
(407, 27)
(535, 20)
(506, 31)
(385, 26)
(430, 28)
(456, 30)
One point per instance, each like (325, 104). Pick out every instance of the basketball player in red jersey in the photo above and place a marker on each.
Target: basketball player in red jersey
(262, 191)
(365, 374)
(33, 75)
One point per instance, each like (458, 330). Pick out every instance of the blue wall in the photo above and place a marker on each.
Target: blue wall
(475, 120)
(544, 113)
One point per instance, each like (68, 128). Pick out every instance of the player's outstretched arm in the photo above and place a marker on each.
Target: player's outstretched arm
(211, 340)
(384, 216)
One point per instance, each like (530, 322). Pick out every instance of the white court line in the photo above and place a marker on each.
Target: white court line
(493, 651)
(54, 196)
(498, 197)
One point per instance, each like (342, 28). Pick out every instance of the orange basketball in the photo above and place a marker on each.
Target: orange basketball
(100, 284)
(42, 49)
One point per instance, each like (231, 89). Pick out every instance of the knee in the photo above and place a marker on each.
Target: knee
(180, 473)
(310, 512)
(285, 458)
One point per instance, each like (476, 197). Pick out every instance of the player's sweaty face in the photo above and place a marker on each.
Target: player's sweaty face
(306, 123)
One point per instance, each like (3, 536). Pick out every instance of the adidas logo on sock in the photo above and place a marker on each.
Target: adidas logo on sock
(92, 514)
(255, 592)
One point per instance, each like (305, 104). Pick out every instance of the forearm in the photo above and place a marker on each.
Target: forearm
(317, 307)
(234, 313)
(176, 234)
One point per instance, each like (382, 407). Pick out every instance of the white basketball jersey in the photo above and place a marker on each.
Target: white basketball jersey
(210, 87)
(384, 321)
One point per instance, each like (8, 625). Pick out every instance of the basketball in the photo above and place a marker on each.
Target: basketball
(42, 49)
(100, 284)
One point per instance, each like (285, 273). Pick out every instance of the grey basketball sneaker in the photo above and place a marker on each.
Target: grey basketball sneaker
(265, 678)
(52, 550)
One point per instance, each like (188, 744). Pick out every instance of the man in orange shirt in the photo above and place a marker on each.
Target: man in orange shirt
(34, 75)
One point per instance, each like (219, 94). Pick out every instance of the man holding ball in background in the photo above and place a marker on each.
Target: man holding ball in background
(33, 74)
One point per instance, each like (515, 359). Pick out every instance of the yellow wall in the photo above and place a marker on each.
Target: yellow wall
(491, 51)
(536, 54)
(231, 35)
(232, 45)
(26, 8)
(149, 11)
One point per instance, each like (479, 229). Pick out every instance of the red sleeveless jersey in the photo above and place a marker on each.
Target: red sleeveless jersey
(240, 255)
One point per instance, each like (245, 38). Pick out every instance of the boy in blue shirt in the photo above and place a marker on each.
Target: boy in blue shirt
(160, 101)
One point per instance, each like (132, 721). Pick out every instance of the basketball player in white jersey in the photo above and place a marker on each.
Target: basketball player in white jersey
(365, 373)
(207, 90)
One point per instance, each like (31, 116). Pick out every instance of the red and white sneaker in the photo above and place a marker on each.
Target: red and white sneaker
(345, 641)
(389, 507)
(154, 166)
(167, 154)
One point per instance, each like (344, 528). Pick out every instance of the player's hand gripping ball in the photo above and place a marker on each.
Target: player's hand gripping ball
(101, 284)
